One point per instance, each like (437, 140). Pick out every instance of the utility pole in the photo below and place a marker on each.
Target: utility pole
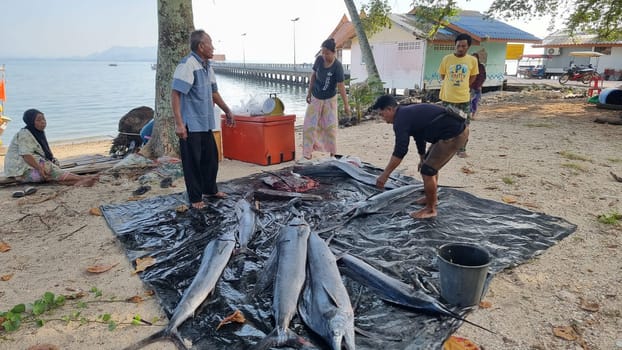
(243, 51)
(294, 20)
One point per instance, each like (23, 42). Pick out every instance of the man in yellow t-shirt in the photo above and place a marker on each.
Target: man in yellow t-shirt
(458, 70)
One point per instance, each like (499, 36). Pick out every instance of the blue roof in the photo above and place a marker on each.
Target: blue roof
(474, 23)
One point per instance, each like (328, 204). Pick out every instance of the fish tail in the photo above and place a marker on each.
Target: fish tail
(458, 317)
(177, 340)
(155, 337)
(283, 338)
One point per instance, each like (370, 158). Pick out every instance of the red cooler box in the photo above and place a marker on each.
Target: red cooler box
(262, 140)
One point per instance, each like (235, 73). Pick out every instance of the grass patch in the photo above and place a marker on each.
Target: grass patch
(573, 156)
(507, 180)
(615, 160)
(610, 219)
(574, 166)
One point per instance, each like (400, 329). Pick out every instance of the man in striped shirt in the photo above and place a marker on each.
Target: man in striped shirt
(194, 92)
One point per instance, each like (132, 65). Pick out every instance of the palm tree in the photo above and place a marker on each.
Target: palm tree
(366, 53)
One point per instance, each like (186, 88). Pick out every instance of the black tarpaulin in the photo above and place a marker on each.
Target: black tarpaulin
(390, 241)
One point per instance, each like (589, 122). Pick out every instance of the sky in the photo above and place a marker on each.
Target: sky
(75, 28)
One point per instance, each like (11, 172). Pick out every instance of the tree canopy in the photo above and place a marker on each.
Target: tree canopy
(602, 17)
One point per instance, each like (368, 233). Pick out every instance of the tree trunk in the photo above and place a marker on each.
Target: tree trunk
(175, 23)
(366, 53)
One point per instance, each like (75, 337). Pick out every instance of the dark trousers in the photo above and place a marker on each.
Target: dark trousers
(199, 159)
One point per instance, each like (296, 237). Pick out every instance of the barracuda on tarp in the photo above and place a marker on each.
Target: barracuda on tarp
(390, 240)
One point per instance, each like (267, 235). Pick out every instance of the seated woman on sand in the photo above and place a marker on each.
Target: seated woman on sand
(29, 158)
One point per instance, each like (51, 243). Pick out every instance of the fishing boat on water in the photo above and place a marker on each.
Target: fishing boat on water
(4, 120)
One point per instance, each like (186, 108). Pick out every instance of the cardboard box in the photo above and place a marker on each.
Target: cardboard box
(262, 140)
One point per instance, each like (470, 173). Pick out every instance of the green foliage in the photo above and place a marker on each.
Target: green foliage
(610, 219)
(376, 16)
(573, 156)
(96, 291)
(136, 320)
(32, 313)
(362, 96)
(507, 180)
(602, 17)
(434, 14)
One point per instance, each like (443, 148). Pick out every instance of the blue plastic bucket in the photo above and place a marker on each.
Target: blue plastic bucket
(462, 271)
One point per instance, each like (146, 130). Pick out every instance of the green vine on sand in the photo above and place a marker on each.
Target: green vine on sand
(610, 219)
(33, 313)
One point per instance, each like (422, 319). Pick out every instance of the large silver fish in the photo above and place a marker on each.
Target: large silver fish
(325, 305)
(380, 201)
(290, 257)
(215, 258)
(247, 223)
(340, 168)
(394, 290)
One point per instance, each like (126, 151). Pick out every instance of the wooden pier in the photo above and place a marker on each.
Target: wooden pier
(285, 73)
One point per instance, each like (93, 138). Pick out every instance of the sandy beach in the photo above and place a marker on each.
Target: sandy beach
(538, 151)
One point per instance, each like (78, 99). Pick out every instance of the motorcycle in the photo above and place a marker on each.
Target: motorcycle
(583, 75)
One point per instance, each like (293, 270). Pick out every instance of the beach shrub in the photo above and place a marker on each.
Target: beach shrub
(362, 95)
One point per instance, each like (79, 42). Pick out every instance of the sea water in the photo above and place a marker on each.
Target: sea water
(86, 99)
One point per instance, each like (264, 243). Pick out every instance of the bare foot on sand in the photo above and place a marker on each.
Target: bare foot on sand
(217, 195)
(87, 181)
(423, 213)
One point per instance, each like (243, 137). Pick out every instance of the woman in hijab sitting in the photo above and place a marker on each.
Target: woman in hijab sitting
(29, 158)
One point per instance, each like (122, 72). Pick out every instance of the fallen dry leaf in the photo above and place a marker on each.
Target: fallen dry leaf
(100, 268)
(150, 292)
(565, 332)
(143, 263)
(78, 295)
(95, 211)
(182, 208)
(4, 247)
(467, 170)
(509, 199)
(589, 305)
(6, 277)
(459, 343)
(135, 299)
(485, 304)
(236, 316)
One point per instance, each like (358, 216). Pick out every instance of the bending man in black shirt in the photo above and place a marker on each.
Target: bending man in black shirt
(425, 123)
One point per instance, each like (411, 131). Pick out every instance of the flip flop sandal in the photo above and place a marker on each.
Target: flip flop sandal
(18, 194)
(30, 190)
(166, 182)
(141, 190)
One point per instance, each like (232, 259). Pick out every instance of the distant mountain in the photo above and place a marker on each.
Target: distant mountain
(118, 53)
